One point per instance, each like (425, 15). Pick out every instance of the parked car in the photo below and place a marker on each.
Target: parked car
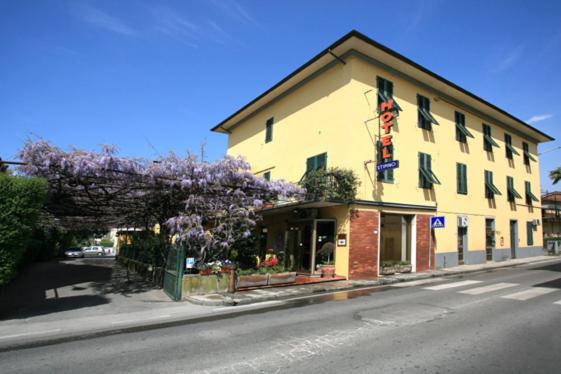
(94, 251)
(74, 252)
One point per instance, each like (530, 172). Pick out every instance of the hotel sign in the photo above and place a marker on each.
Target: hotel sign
(386, 118)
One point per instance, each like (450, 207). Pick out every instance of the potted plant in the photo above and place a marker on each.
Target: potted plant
(325, 256)
(403, 267)
(387, 268)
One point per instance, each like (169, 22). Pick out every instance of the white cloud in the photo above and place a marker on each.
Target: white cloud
(510, 59)
(99, 18)
(539, 118)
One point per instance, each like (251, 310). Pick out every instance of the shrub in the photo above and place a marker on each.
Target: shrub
(21, 200)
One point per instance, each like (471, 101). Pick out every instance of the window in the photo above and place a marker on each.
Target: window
(527, 155)
(490, 189)
(385, 175)
(385, 92)
(318, 162)
(267, 175)
(509, 149)
(424, 117)
(529, 195)
(461, 131)
(461, 178)
(488, 141)
(426, 176)
(269, 130)
(530, 233)
(512, 194)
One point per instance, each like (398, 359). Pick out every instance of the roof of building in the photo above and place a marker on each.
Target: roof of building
(552, 197)
(362, 45)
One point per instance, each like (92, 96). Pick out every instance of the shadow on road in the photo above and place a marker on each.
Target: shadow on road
(555, 283)
(56, 286)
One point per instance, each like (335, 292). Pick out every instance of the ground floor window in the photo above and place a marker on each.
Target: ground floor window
(395, 238)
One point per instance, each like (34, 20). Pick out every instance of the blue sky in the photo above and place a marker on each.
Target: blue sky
(152, 77)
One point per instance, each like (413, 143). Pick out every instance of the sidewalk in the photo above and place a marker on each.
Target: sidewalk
(149, 310)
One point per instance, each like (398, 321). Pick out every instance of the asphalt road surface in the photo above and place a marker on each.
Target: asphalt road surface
(506, 321)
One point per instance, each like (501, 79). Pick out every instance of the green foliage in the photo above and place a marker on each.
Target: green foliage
(334, 184)
(106, 243)
(262, 270)
(555, 175)
(21, 200)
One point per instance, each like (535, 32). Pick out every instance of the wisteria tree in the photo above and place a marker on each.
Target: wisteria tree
(207, 206)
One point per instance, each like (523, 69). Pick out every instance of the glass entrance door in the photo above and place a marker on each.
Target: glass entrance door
(489, 238)
(325, 242)
(462, 239)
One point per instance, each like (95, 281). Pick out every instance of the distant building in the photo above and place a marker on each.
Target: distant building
(551, 214)
(422, 147)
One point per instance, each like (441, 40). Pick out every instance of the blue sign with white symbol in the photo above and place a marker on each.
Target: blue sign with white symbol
(437, 222)
(387, 165)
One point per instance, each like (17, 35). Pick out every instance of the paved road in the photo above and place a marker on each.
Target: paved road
(506, 321)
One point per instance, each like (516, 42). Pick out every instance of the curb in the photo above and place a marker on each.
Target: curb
(231, 300)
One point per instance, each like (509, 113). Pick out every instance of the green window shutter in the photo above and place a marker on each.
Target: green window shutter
(426, 176)
(385, 92)
(527, 155)
(386, 175)
(321, 163)
(267, 175)
(530, 233)
(424, 117)
(490, 189)
(269, 130)
(310, 164)
(530, 197)
(512, 194)
(461, 178)
(462, 133)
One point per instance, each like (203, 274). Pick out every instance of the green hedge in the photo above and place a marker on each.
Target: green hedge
(21, 200)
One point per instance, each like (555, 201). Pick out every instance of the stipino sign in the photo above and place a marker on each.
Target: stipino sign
(386, 118)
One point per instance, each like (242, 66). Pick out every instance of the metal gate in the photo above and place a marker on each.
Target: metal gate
(173, 274)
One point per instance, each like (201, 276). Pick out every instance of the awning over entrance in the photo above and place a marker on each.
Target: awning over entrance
(284, 208)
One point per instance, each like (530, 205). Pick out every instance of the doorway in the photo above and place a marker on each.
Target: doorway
(310, 243)
(462, 244)
(395, 238)
(513, 237)
(489, 238)
(299, 246)
(324, 242)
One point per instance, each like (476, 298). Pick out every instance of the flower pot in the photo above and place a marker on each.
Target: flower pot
(327, 271)
(282, 278)
(253, 280)
(387, 270)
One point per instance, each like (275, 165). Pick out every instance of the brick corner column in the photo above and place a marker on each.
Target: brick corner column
(425, 250)
(363, 248)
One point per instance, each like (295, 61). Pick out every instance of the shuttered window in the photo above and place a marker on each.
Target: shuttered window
(317, 162)
(530, 197)
(512, 194)
(509, 149)
(488, 141)
(527, 155)
(529, 233)
(424, 117)
(461, 178)
(426, 176)
(462, 133)
(490, 189)
(385, 92)
(267, 175)
(269, 130)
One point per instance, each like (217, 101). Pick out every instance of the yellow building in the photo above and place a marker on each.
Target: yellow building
(460, 158)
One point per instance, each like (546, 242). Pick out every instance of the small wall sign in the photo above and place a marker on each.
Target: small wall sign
(341, 240)
(190, 262)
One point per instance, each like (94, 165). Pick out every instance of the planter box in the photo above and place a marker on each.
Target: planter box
(282, 278)
(196, 284)
(403, 268)
(388, 270)
(253, 280)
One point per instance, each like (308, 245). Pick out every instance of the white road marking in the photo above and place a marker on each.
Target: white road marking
(417, 282)
(529, 294)
(29, 333)
(557, 302)
(452, 285)
(489, 288)
(142, 320)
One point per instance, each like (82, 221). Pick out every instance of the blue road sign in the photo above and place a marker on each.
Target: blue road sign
(387, 165)
(437, 222)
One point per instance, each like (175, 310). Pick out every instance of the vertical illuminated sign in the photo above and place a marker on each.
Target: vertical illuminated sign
(386, 118)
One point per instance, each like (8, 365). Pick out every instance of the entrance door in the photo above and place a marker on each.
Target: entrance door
(299, 246)
(462, 244)
(489, 238)
(513, 238)
(325, 242)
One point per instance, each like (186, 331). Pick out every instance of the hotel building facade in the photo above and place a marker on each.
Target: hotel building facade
(361, 106)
